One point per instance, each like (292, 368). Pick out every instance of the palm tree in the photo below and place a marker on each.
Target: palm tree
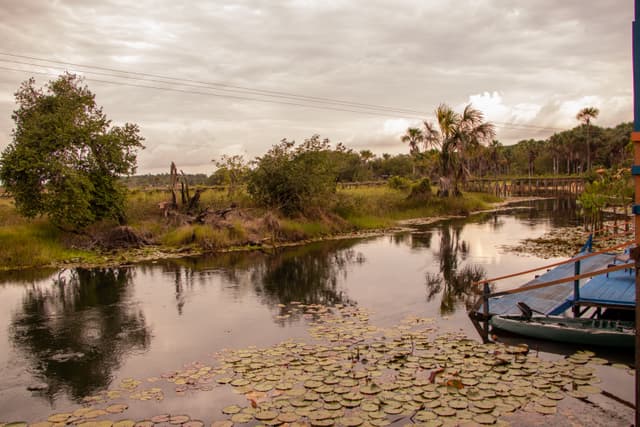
(414, 137)
(585, 116)
(457, 134)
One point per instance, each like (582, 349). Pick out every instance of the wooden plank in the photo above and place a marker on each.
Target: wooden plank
(547, 299)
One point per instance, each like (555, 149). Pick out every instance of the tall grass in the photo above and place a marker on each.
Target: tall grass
(382, 206)
(36, 243)
(26, 243)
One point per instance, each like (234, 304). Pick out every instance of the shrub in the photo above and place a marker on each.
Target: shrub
(421, 191)
(399, 183)
(294, 178)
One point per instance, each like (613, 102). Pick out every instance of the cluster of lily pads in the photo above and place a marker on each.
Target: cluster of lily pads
(356, 374)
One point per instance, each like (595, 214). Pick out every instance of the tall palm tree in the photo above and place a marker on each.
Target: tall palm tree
(585, 116)
(414, 137)
(457, 134)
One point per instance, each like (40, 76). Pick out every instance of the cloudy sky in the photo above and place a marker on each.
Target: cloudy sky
(530, 65)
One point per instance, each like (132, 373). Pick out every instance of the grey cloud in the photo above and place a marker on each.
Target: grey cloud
(409, 53)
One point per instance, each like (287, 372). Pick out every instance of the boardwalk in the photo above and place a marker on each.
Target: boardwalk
(504, 187)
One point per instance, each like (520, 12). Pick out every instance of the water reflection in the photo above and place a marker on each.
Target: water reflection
(310, 274)
(75, 333)
(453, 283)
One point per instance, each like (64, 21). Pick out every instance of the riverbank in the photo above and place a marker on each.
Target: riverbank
(225, 226)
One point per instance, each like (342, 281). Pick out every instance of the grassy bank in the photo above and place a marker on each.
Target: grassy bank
(28, 243)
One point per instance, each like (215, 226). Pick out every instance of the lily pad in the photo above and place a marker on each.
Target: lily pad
(351, 421)
(484, 419)
(179, 419)
(59, 418)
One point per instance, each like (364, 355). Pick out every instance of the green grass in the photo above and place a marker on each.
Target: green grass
(35, 244)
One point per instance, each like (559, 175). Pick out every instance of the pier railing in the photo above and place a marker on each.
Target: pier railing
(530, 186)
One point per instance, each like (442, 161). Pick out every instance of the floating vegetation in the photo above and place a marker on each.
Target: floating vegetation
(355, 374)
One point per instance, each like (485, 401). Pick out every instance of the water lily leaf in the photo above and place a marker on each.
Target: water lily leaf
(161, 418)
(263, 387)
(484, 419)
(288, 417)
(370, 407)
(95, 413)
(40, 424)
(240, 382)
(193, 423)
(241, 418)
(225, 423)
(458, 404)
(444, 411)
(265, 415)
(179, 419)
(423, 416)
(229, 410)
(117, 409)
(370, 389)
(124, 423)
(59, 418)
(312, 384)
(144, 423)
(392, 410)
(351, 421)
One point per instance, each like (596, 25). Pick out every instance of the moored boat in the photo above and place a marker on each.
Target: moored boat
(601, 332)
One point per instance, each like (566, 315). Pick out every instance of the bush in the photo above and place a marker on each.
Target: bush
(294, 178)
(399, 183)
(421, 191)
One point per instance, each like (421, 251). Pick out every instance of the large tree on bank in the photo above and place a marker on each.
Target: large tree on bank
(65, 157)
(458, 133)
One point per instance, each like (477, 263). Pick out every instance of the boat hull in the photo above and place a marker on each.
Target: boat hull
(561, 329)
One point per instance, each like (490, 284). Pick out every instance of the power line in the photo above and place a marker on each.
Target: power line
(235, 87)
(318, 102)
(170, 89)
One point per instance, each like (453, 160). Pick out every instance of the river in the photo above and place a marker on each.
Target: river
(72, 334)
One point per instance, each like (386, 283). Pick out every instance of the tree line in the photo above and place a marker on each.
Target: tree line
(68, 162)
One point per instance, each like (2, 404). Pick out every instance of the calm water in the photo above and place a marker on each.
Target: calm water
(76, 333)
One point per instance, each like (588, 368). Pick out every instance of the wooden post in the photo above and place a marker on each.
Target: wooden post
(576, 290)
(635, 137)
(485, 295)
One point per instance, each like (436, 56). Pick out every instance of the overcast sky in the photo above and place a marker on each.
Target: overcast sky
(524, 62)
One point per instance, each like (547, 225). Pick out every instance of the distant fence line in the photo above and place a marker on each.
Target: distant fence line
(504, 187)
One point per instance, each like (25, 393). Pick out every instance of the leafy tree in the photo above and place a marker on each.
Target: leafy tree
(65, 157)
(585, 116)
(295, 179)
(232, 171)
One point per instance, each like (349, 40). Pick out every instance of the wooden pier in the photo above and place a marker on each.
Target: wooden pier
(504, 187)
(597, 280)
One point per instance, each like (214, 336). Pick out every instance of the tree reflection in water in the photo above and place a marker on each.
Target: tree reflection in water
(76, 331)
(309, 274)
(455, 284)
